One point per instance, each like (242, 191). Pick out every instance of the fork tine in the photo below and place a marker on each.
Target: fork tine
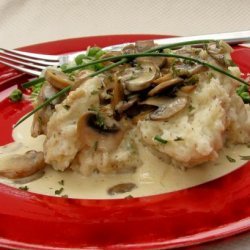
(27, 59)
(32, 55)
(29, 71)
(31, 65)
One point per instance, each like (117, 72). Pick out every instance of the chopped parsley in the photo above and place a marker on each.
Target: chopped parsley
(95, 145)
(230, 159)
(24, 188)
(190, 108)
(243, 92)
(159, 139)
(59, 191)
(16, 95)
(67, 107)
(178, 138)
(61, 182)
(100, 121)
(65, 196)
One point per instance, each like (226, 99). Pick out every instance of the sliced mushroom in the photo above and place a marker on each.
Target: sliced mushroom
(105, 131)
(188, 70)
(129, 49)
(163, 78)
(188, 88)
(170, 108)
(117, 93)
(58, 79)
(144, 45)
(139, 78)
(121, 188)
(220, 51)
(111, 54)
(164, 85)
(122, 106)
(20, 166)
(155, 101)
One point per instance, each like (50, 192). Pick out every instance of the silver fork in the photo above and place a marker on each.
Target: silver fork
(34, 64)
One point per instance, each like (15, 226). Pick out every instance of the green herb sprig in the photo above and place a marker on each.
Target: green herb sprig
(159, 139)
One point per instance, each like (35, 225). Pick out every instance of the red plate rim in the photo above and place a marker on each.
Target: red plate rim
(210, 211)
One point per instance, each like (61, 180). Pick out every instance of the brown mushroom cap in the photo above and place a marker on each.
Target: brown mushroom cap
(57, 78)
(164, 85)
(171, 107)
(20, 166)
(108, 135)
(139, 78)
(144, 45)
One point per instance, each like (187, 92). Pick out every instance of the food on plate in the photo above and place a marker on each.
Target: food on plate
(184, 105)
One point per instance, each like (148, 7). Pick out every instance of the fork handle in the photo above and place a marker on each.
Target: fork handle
(232, 38)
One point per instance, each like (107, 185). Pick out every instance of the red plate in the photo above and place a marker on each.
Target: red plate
(207, 212)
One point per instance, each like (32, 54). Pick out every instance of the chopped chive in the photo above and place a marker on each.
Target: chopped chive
(230, 159)
(159, 139)
(24, 188)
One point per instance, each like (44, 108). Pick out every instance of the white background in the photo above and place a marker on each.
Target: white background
(24, 22)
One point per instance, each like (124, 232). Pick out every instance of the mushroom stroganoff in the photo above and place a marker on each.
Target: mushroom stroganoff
(167, 112)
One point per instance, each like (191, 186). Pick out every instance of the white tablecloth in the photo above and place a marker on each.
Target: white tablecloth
(24, 22)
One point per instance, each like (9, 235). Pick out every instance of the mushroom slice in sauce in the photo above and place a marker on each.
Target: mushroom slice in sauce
(164, 85)
(57, 79)
(94, 128)
(121, 188)
(188, 88)
(117, 93)
(142, 46)
(188, 69)
(171, 107)
(125, 105)
(163, 78)
(158, 61)
(129, 49)
(20, 166)
(140, 78)
(220, 51)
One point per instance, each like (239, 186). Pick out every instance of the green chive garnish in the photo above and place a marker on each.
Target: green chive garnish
(159, 139)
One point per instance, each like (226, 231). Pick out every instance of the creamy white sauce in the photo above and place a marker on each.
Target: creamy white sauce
(153, 177)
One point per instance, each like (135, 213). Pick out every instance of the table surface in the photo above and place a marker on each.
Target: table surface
(24, 22)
